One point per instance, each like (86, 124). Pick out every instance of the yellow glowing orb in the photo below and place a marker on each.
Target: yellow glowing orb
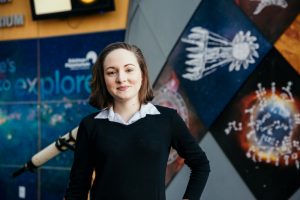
(87, 1)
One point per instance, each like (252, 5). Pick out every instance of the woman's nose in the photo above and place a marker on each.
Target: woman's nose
(121, 77)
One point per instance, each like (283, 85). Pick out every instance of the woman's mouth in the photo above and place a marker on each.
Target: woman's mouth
(122, 88)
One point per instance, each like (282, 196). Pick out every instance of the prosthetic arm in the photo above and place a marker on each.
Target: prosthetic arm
(63, 143)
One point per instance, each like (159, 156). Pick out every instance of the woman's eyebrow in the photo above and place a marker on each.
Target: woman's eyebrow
(129, 64)
(110, 67)
(113, 67)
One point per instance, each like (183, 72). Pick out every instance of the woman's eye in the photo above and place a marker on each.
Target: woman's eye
(111, 73)
(129, 70)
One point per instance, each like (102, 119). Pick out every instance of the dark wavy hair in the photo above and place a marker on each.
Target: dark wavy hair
(100, 97)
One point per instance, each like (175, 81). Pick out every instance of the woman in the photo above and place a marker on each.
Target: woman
(128, 142)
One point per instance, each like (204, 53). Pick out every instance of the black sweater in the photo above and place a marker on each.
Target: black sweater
(130, 160)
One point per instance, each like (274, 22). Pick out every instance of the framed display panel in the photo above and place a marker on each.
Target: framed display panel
(259, 129)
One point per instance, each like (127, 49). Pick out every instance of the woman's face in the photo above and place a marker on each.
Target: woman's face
(122, 75)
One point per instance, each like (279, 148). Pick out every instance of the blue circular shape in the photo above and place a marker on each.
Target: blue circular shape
(273, 124)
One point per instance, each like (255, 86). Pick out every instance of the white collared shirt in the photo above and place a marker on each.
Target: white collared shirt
(146, 109)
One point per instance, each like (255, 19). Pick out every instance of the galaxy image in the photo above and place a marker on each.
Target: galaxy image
(259, 129)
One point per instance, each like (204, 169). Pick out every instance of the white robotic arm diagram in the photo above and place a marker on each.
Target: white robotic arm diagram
(63, 143)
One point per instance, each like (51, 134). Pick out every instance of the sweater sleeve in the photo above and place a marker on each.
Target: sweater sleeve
(187, 148)
(82, 168)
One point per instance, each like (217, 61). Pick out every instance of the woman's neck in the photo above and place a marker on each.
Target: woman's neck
(126, 109)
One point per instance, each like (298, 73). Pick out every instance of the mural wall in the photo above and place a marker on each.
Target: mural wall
(234, 72)
(44, 87)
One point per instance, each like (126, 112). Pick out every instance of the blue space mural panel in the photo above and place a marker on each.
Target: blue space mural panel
(45, 95)
(216, 52)
(68, 75)
(18, 132)
(59, 118)
(18, 71)
(51, 188)
(25, 187)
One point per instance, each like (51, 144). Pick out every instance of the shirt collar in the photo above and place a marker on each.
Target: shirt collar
(146, 109)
